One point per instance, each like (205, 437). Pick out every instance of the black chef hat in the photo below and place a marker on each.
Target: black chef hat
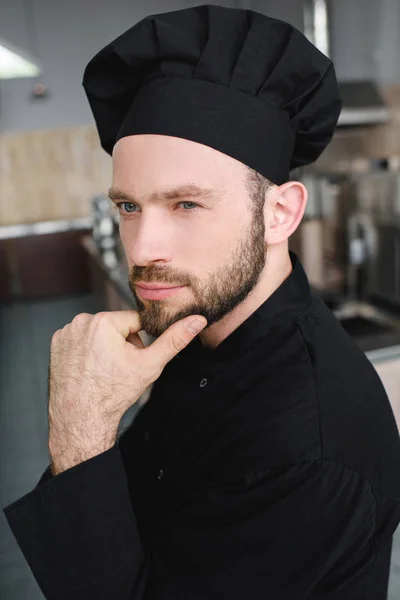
(243, 83)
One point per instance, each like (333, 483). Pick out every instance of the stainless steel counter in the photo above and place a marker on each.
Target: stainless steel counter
(380, 355)
(43, 227)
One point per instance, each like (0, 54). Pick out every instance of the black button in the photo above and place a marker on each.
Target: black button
(160, 474)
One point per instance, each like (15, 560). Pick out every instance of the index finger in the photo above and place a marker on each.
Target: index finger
(125, 321)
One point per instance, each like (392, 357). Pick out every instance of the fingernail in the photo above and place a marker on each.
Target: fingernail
(196, 326)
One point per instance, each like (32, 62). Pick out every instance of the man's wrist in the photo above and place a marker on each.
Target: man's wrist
(63, 459)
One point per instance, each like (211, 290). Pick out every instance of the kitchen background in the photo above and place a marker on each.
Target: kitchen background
(59, 248)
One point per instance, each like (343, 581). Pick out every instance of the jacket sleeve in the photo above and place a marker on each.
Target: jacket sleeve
(282, 533)
(287, 533)
(46, 476)
(78, 533)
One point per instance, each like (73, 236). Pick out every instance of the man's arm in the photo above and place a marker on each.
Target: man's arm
(78, 532)
(281, 533)
(77, 529)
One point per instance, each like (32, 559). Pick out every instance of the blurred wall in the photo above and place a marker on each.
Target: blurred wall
(286, 10)
(69, 33)
(365, 39)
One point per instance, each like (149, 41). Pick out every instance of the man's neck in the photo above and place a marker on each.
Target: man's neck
(277, 268)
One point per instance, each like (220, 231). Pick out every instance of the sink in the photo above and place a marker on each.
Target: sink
(359, 326)
(362, 320)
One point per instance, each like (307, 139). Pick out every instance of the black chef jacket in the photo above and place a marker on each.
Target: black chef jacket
(267, 468)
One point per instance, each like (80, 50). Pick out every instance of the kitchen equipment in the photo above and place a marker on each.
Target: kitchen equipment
(362, 102)
(105, 230)
(361, 250)
(373, 228)
(384, 270)
(318, 239)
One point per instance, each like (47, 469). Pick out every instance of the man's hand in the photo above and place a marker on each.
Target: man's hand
(99, 367)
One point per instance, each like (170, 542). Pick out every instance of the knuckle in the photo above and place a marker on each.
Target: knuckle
(101, 316)
(54, 338)
(177, 343)
(80, 319)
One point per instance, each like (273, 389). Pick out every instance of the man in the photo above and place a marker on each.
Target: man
(266, 462)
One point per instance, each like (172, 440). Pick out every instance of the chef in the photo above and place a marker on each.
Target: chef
(265, 464)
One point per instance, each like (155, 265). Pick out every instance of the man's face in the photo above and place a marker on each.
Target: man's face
(213, 244)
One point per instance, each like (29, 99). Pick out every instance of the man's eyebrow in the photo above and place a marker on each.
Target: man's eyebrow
(183, 191)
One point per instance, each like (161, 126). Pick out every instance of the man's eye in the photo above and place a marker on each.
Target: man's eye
(119, 206)
(129, 206)
(194, 205)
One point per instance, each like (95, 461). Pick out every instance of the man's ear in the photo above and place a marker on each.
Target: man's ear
(285, 209)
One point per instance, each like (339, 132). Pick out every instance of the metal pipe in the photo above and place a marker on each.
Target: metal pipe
(316, 24)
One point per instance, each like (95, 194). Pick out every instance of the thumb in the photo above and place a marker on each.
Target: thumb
(171, 342)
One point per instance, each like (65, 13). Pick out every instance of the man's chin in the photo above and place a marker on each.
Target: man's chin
(154, 326)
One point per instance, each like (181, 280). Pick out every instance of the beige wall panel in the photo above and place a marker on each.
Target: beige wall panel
(51, 174)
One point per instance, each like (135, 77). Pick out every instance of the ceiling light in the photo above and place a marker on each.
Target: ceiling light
(16, 63)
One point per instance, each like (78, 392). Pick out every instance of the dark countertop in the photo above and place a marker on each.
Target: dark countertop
(378, 347)
(115, 273)
(381, 346)
(383, 340)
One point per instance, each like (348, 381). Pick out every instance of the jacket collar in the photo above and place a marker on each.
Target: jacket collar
(289, 300)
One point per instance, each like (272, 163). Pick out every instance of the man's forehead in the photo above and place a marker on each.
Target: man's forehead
(173, 150)
(158, 167)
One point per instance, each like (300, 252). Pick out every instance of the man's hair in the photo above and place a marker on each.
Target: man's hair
(257, 186)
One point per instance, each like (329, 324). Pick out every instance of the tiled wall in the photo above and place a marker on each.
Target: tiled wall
(51, 174)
